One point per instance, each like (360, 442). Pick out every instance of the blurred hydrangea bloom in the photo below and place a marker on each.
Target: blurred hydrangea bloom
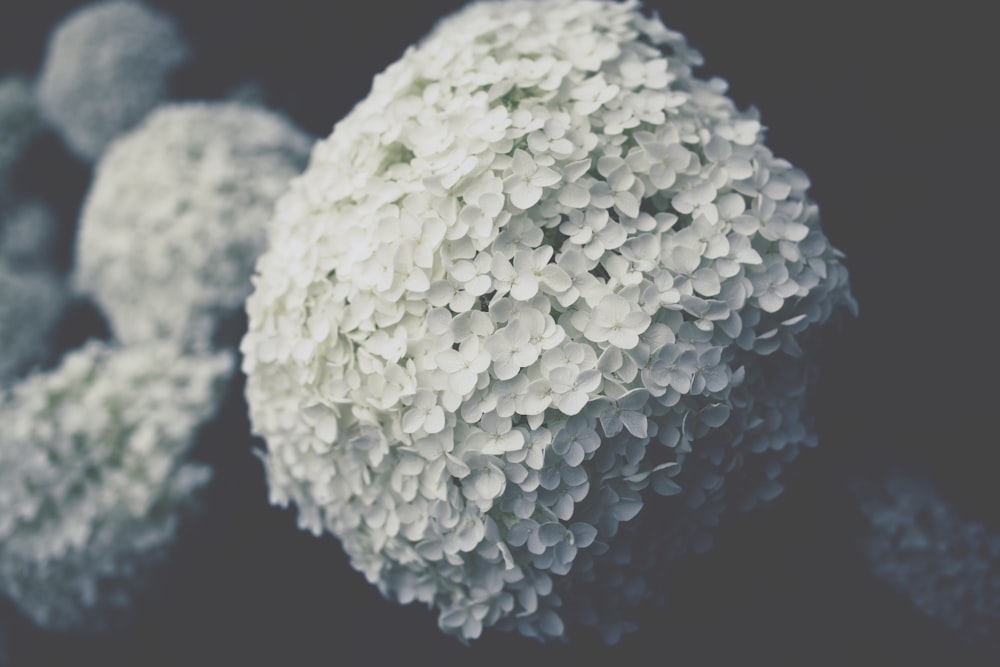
(19, 122)
(542, 278)
(923, 548)
(176, 217)
(27, 231)
(30, 303)
(93, 476)
(106, 67)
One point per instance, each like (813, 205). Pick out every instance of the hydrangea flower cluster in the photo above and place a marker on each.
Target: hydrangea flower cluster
(539, 310)
(107, 65)
(30, 303)
(176, 217)
(93, 476)
(923, 548)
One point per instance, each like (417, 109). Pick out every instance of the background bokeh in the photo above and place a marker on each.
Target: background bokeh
(884, 105)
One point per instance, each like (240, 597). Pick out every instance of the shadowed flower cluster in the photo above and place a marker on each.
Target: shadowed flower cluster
(19, 123)
(30, 304)
(542, 278)
(93, 476)
(923, 548)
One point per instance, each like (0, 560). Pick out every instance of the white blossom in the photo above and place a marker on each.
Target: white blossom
(596, 356)
(106, 66)
(94, 476)
(176, 217)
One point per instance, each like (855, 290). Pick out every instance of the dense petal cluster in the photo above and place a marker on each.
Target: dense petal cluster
(176, 217)
(93, 475)
(30, 303)
(924, 549)
(540, 279)
(106, 66)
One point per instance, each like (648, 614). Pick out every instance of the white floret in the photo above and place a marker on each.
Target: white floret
(94, 476)
(539, 311)
(176, 217)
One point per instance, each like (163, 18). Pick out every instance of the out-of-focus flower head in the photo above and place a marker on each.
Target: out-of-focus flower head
(176, 217)
(538, 311)
(19, 123)
(30, 303)
(27, 231)
(94, 475)
(923, 548)
(107, 65)
(26, 227)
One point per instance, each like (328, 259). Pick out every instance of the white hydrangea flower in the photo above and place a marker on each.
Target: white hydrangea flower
(30, 303)
(106, 66)
(924, 549)
(536, 314)
(176, 217)
(93, 476)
